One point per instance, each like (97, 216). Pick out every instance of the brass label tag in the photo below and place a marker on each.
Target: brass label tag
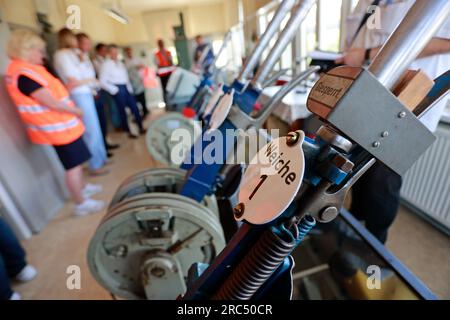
(329, 90)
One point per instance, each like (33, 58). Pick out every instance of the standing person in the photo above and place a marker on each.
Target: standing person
(203, 54)
(164, 62)
(135, 68)
(75, 67)
(13, 264)
(49, 116)
(104, 99)
(376, 196)
(101, 54)
(85, 46)
(114, 79)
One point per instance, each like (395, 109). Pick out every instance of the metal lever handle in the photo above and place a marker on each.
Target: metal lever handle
(263, 42)
(278, 97)
(242, 120)
(273, 78)
(298, 14)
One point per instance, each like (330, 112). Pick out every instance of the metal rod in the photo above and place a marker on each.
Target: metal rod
(408, 40)
(263, 42)
(274, 77)
(226, 39)
(276, 99)
(310, 271)
(298, 14)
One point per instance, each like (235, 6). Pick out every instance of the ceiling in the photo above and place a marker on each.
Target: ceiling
(133, 6)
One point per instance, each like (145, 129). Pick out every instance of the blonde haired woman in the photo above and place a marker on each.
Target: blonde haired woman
(73, 68)
(50, 117)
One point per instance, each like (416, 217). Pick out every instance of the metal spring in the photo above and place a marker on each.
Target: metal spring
(259, 264)
(304, 227)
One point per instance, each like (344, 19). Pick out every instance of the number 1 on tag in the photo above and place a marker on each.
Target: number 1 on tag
(262, 179)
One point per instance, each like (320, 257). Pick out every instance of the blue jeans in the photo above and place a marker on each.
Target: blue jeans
(93, 134)
(12, 259)
(124, 99)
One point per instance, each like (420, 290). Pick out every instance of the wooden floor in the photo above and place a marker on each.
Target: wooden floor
(64, 241)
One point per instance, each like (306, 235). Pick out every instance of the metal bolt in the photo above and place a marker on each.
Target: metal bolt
(342, 163)
(329, 214)
(158, 272)
(292, 138)
(239, 210)
(384, 134)
(376, 144)
(121, 251)
(402, 114)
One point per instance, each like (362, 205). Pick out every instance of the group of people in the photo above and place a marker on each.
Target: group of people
(49, 112)
(63, 102)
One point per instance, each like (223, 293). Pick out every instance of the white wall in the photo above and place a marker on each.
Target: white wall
(199, 19)
(93, 20)
(144, 27)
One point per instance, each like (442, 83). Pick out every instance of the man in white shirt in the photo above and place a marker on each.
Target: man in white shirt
(88, 67)
(101, 53)
(114, 79)
(104, 100)
(376, 196)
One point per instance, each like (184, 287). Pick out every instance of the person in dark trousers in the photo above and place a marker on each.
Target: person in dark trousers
(163, 60)
(102, 97)
(13, 264)
(114, 78)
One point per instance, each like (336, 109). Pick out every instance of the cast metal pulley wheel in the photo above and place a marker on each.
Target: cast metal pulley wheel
(142, 235)
(168, 180)
(159, 137)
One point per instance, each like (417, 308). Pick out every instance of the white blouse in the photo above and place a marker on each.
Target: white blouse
(68, 65)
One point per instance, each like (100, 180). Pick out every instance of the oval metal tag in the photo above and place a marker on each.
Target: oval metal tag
(272, 180)
(221, 111)
(218, 92)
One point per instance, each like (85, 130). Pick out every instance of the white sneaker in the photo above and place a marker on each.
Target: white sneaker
(89, 206)
(15, 296)
(27, 274)
(91, 189)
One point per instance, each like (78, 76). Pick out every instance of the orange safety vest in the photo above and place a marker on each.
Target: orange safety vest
(164, 62)
(163, 59)
(43, 125)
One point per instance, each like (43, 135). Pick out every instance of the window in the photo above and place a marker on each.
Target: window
(329, 25)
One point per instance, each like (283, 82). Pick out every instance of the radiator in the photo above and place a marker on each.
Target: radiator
(426, 186)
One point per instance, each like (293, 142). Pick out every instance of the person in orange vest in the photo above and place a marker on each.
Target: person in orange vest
(49, 116)
(163, 60)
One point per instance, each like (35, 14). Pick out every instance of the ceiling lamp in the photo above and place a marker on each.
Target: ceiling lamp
(115, 12)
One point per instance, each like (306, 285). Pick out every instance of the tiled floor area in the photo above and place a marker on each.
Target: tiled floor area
(64, 241)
